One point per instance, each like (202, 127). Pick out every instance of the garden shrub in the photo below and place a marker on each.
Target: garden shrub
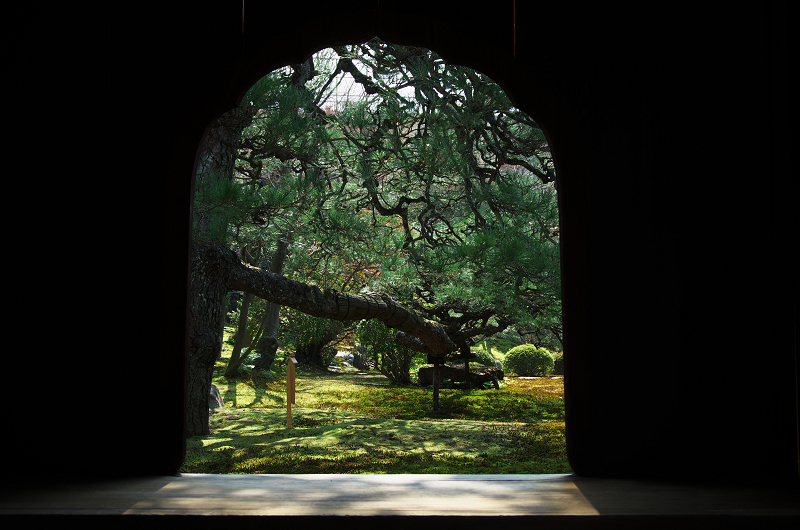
(484, 358)
(391, 359)
(528, 360)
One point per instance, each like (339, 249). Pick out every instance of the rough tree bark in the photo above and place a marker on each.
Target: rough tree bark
(206, 314)
(207, 291)
(414, 330)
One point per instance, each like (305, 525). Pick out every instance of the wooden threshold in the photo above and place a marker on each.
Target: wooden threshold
(546, 497)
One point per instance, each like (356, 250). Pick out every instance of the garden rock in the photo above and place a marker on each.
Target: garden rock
(345, 356)
(349, 359)
(214, 398)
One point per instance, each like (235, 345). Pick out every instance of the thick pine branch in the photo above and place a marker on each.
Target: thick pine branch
(430, 336)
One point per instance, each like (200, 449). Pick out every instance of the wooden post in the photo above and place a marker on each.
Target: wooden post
(290, 364)
(465, 354)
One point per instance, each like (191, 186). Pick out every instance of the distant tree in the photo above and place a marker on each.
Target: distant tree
(312, 337)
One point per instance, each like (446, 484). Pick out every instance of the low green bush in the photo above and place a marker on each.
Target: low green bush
(528, 360)
(484, 358)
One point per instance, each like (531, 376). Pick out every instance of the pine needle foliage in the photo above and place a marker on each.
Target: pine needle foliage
(430, 187)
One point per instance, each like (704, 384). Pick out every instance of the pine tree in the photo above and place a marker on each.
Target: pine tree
(431, 190)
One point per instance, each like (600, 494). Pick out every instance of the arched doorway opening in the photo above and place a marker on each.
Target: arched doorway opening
(500, 163)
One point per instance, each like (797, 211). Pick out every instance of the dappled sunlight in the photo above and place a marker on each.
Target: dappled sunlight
(215, 442)
(351, 432)
(357, 423)
(340, 426)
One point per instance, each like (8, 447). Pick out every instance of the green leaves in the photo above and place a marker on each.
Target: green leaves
(304, 329)
(435, 193)
(392, 360)
(218, 206)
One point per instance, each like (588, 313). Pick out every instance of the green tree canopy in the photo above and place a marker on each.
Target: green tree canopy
(429, 186)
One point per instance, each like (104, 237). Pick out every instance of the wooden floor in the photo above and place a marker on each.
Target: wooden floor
(382, 501)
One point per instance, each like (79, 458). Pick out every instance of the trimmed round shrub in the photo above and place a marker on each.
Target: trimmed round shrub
(484, 358)
(528, 360)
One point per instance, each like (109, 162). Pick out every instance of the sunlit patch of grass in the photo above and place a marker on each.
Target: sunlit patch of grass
(347, 443)
(526, 402)
(547, 386)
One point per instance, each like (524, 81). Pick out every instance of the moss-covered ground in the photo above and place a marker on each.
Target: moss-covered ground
(361, 423)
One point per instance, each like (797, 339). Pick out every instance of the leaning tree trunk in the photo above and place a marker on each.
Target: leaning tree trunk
(414, 330)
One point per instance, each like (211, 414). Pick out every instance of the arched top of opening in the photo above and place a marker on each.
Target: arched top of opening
(434, 28)
(253, 73)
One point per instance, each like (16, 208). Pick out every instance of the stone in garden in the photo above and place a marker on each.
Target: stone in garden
(345, 356)
(214, 398)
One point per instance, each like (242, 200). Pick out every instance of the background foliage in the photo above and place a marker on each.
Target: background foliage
(391, 359)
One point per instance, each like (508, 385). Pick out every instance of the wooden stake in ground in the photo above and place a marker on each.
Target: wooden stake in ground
(465, 354)
(290, 364)
(437, 374)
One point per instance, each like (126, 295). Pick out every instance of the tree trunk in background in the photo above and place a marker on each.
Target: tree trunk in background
(437, 376)
(464, 348)
(267, 345)
(241, 337)
(312, 352)
(241, 327)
